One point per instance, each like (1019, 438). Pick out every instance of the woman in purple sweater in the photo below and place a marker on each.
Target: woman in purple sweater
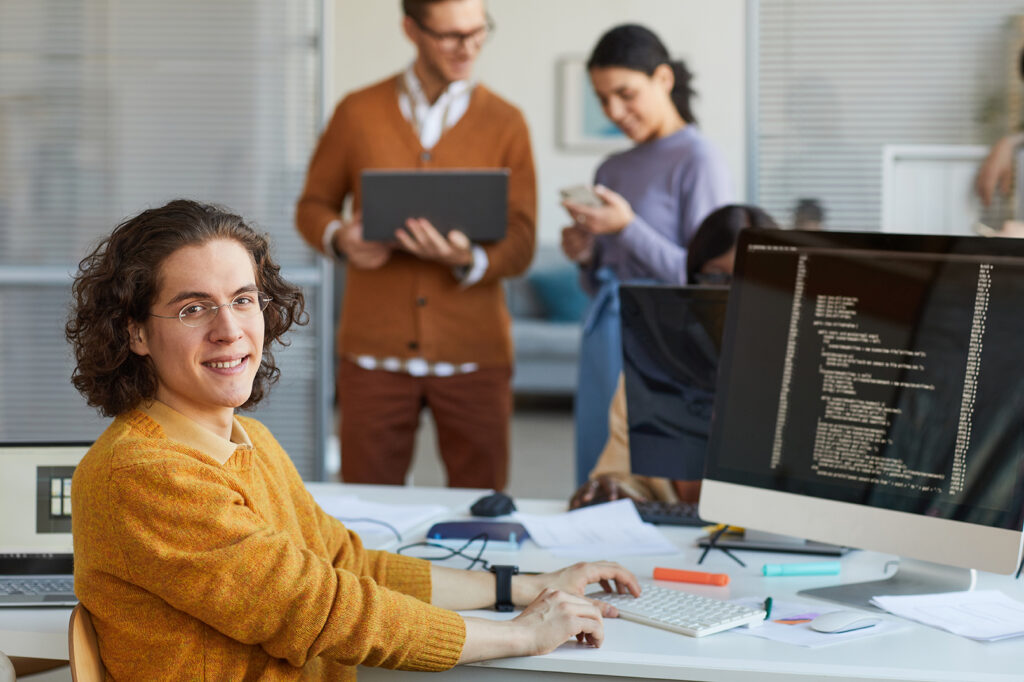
(655, 194)
(652, 198)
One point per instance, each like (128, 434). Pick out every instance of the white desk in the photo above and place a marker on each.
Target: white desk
(635, 651)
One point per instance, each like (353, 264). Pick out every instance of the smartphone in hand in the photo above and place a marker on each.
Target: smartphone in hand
(583, 195)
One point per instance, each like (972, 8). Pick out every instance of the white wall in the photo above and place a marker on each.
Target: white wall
(520, 62)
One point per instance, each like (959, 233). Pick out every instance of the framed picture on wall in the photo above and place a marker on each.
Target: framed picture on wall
(582, 125)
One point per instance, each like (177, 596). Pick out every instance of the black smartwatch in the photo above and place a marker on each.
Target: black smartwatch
(503, 586)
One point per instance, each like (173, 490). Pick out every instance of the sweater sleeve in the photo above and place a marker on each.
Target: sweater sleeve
(404, 574)
(512, 255)
(327, 181)
(704, 184)
(664, 258)
(186, 534)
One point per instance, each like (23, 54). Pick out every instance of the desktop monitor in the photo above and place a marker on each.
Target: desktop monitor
(671, 338)
(871, 394)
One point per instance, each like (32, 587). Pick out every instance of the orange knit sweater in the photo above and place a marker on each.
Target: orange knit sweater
(194, 570)
(410, 307)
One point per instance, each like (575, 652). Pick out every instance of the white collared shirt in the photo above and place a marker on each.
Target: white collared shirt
(431, 120)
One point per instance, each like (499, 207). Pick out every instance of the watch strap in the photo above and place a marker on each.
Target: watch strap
(503, 586)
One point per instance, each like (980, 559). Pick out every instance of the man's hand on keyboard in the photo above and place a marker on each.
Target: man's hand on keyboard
(556, 616)
(574, 580)
(602, 488)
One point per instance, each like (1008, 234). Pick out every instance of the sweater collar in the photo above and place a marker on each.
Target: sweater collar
(180, 428)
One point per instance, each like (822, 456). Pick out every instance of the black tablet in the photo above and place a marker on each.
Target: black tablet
(473, 201)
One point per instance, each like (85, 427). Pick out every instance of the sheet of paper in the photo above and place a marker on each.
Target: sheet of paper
(367, 518)
(981, 614)
(600, 531)
(790, 623)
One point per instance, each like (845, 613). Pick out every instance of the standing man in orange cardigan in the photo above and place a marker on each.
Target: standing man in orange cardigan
(424, 321)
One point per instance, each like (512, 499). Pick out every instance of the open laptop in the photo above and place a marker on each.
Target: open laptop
(35, 523)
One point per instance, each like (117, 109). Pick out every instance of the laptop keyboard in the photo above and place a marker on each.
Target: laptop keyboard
(36, 586)
(682, 612)
(669, 513)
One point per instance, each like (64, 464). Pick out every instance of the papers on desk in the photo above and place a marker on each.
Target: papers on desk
(603, 531)
(984, 615)
(367, 518)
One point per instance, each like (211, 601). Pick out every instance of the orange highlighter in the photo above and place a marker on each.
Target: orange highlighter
(681, 576)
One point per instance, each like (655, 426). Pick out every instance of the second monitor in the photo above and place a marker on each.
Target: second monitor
(671, 337)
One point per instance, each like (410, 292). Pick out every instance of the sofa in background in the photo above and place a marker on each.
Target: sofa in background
(546, 304)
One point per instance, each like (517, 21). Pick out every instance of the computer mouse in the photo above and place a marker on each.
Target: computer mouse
(495, 504)
(844, 621)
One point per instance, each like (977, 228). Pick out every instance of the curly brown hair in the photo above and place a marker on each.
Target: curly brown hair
(117, 283)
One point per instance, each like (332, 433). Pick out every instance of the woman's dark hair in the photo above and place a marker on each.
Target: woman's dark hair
(719, 232)
(117, 283)
(635, 47)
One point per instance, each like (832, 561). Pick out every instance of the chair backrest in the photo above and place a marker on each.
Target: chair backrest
(6, 669)
(83, 649)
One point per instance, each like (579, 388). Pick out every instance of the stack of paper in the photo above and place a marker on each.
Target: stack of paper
(602, 531)
(374, 521)
(984, 615)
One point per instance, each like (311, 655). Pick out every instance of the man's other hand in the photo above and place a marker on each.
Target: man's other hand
(361, 254)
(422, 240)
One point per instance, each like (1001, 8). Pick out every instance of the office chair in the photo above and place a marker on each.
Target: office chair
(6, 669)
(83, 649)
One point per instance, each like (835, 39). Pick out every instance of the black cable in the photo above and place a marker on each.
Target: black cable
(453, 552)
(387, 525)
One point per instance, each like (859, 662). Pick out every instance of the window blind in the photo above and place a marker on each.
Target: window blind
(108, 107)
(837, 80)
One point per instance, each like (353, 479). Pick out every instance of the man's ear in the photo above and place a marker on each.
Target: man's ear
(137, 339)
(409, 27)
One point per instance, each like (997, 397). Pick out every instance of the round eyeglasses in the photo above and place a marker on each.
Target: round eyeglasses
(452, 41)
(202, 313)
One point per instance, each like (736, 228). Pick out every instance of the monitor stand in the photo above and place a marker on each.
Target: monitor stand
(912, 577)
(762, 541)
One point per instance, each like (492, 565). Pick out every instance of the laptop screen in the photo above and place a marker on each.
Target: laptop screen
(671, 338)
(35, 501)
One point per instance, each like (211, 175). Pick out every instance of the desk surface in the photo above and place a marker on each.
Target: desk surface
(632, 650)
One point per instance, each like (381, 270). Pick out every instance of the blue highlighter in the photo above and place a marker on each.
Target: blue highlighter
(808, 568)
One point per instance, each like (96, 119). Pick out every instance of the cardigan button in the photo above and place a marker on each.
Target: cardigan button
(425, 156)
(421, 301)
(413, 345)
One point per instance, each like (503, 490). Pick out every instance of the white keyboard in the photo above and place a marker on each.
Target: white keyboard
(682, 612)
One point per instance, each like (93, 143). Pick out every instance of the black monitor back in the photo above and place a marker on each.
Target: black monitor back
(671, 339)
